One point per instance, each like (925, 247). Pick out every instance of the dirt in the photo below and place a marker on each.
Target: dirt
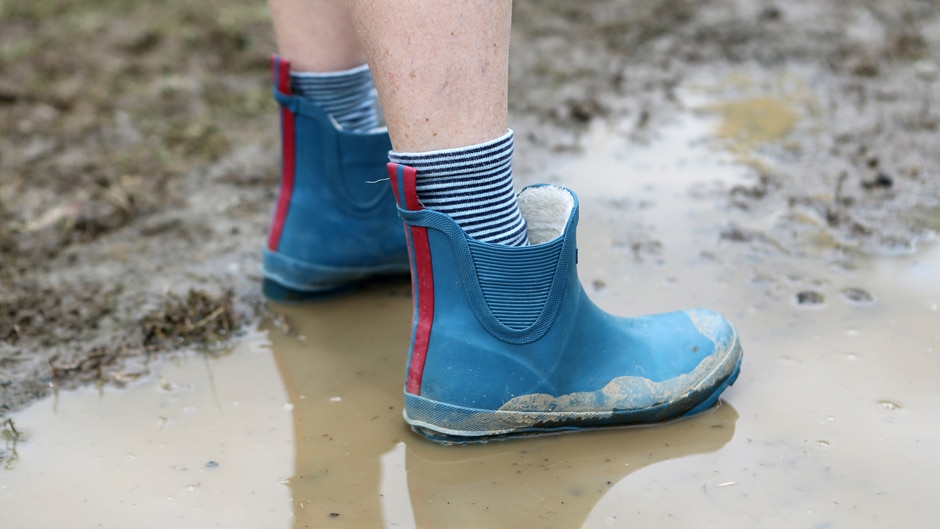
(139, 151)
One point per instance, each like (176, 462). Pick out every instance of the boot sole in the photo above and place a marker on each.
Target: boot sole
(274, 291)
(564, 422)
(288, 280)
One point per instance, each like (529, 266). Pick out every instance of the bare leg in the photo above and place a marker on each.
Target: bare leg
(316, 35)
(441, 68)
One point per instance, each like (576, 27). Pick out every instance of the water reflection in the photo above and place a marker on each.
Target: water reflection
(359, 466)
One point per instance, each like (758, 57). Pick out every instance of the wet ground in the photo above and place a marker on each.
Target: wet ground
(833, 422)
(775, 162)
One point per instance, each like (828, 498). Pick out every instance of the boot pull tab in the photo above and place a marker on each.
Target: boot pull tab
(402, 179)
(280, 70)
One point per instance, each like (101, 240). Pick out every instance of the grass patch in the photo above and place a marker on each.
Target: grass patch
(198, 318)
(12, 437)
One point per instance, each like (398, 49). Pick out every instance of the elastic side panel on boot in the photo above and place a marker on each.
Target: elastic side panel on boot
(353, 161)
(516, 284)
(515, 291)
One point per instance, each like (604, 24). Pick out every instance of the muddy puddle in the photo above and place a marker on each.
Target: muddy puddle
(204, 443)
(833, 422)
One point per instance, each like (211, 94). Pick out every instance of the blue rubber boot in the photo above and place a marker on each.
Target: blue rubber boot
(335, 223)
(506, 343)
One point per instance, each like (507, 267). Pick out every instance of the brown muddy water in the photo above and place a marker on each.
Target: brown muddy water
(834, 421)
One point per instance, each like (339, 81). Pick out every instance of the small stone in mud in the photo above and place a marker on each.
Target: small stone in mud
(865, 68)
(770, 13)
(858, 296)
(334, 515)
(810, 297)
(881, 181)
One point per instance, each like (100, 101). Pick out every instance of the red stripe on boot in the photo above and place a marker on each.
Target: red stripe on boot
(281, 74)
(403, 183)
(425, 309)
(281, 70)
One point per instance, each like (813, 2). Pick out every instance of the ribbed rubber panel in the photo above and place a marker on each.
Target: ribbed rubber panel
(516, 285)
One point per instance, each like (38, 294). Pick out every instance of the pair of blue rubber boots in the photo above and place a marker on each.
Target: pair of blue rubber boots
(504, 341)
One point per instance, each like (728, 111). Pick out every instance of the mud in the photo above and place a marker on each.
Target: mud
(196, 433)
(134, 172)
(775, 161)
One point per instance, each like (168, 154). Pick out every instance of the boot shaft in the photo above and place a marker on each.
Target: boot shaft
(335, 220)
(505, 340)
(481, 297)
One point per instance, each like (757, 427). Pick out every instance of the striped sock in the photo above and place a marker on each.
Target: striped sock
(472, 185)
(347, 95)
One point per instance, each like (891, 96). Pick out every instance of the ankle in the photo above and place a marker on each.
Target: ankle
(347, 95)
(472, 185)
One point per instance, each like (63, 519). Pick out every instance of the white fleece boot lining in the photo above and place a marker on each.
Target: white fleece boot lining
(546, 210)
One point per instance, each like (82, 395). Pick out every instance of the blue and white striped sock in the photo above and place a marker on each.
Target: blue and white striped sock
(347, 95)
(472, 185)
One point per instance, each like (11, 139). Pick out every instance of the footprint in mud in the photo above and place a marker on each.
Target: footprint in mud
(857, 296)
(810, 298)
